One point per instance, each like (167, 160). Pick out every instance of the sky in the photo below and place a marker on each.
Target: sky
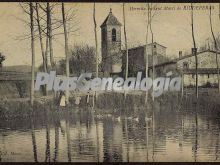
(171, 26)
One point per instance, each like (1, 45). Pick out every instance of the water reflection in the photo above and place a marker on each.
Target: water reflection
(68, 140)
(33, 140)
(175, 131)
(47, 153)
(57, 126)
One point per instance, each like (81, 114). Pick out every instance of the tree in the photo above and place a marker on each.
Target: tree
(152, 47)
(40, 37)
(96, 42)
(194, 50)
(41, 44)
(33, 53)
(2, 58)
(96, 49)
(41, 27)
(82, 59)
(54, 23)
(146, 53)
(216, 47)
(126, 46)
(66, 50)
(97, 74)
(49, 35)
(50, 25)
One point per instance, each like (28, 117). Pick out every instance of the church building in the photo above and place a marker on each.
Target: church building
(114, 58)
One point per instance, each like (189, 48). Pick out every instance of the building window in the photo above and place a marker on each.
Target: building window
(113, 35)
(185, 65)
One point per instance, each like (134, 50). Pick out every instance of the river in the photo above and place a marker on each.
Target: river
(170, 132)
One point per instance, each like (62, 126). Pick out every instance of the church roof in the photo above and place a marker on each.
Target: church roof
(111, 20)
(144, 46)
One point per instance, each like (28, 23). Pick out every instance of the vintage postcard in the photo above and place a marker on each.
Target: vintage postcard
(109, 82)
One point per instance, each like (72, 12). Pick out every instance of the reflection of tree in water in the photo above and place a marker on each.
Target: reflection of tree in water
(47, 153)
(56, 149)
(213, 125)
(68, 140)
(97, 139)
(217, 144)
(125, 140)
(195, 147)
(163, 124)
(33, 139)
(147, 139)
(112, 151)
(125, 133)
(153, 130)
(83, 143)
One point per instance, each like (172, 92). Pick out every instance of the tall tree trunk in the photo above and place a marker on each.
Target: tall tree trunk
(96, 41)
(49, 26)
(33, 55)
(66, 51)
(96, 50)
(194, 51)
(40, 38)
(41, 45)
(126, 46)
(152, 50)
(47, 49)
(146, 53)
(216, 47)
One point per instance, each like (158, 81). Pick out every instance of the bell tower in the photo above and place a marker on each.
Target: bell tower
(111, 44)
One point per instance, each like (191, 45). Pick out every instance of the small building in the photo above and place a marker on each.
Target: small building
(185, 66)
(207, 68)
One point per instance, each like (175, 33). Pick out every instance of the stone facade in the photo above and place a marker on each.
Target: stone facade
(111, 44)
(137, 58)
(207, 69)
(159, 52)
(206, 59)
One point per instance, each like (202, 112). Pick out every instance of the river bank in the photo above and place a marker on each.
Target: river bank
(104, 103)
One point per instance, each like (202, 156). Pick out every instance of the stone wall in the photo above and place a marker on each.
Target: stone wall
(203, 80)
(205, 60)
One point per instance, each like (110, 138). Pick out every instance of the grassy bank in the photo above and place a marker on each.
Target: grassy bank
(20, 108)
(110, 102)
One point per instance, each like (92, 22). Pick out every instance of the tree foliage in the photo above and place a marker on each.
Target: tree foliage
(82, 59)
(2, 58)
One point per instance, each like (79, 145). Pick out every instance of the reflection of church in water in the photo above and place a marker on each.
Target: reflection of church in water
(113, 57)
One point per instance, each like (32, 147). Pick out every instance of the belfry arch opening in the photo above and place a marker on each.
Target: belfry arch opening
(113, 34)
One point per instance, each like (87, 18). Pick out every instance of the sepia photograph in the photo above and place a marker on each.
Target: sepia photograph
(109, 82)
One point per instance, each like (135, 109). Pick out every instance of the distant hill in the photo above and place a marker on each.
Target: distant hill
(18, 68)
